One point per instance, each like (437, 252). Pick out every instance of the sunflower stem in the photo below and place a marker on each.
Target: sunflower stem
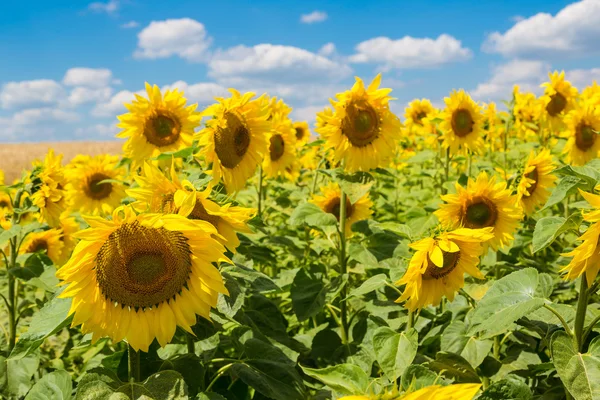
(12, 284)
(260, 190)
(446, 171)
(343, 267)
(411, 321)
(190, 344)
(469, 163)
(582, 303)
(316, 176)
(134, 364)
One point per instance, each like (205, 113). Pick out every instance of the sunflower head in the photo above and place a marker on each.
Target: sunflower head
(50, 195)
(48, 242)
(536, 181)
(583, 142)
(157, 124)
(302, 132)
(418, 115)
(559, 97)
(282, 146)
(462, 123)
(527, 111)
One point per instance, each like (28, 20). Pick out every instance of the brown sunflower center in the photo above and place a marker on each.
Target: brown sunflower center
(434, 272)
(96, 189)
(556, 105)
(361, 124)
(232, 141)
(533, 175)
(419, 117)
(462, 122)
(4, 203)
(277, 147)
(333, 207)
(199, 212)
(139, 266)
(162, 128)
(37, 245)
(300, 133)
(584, 137)
(480, 213)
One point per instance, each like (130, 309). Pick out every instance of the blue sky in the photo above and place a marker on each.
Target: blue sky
(67, 66)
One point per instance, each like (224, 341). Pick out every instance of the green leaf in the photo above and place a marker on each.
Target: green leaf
(586, 173)
(183, 153)
(421, 157)
(6, 235)
(308, 295)
(361, 254)
(46, 322)
(210, 396)
(168, 385)
(19, 373)
(348, 379)
(547, 229)
(310, 214)
(373, 283)
(454, 367)
(508, 299)
(355, 185)
(394, 351)
(507, 389)
(566, 186)
(456, 340)
(417, 377)
(33, 267)
(56, 385)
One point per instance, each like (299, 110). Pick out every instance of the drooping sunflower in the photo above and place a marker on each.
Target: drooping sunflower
(235, 139)
(437, 268)
(418, 116)
(362, 130)
(330, 201)
(462, 123)
(86, 191)
(282, 147)
(68, 227)
(483, 203)
(536, 181)
(50, 196)
(527, 111)
(302, 132)
(158, 124)
(47, 242)
(583, 143)
(558, 99)
(138, 277)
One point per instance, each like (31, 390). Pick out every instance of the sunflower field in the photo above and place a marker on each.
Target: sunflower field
(232, 253)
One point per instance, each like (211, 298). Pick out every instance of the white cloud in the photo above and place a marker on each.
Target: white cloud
(573, 31)
(130, 25)
(84, 95)
(327, 50)
(30, 93)
(115, 105)
(97, 130)
(313, 17)
(409, 52)
(34, 116)
(527, 74)
(202, 93)
(308, 114)
(92, 77)
(185, 37)
(109, 7)
(583, 77)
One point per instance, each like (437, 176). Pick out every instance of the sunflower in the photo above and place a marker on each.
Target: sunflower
(86, 191)
(438, 266)
(527, 110)
(418, 116)
(558, 99)
(235, 139)
(494, 127)
(461, 391)
(138, 277)
(282, 147)
(158, 124)
(536, 181)
(275, 106)
(483, 203)
(302, 132)
(330, 203)
(591, 94)
(5, 202)
(68, 227)
(47, 242)
(156, 192)
(50, 195)
(583, 143)
(362, 130)
(462, 123)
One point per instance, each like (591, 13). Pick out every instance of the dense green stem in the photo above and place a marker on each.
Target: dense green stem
(560, 318)
(582, 303)
(411, 320)
(260, 190)
(343, 267)
(134, 364)
(12, 293)
(190, 343)
(446, 171)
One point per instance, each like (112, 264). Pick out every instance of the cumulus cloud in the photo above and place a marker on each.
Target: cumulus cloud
(573, 31)
(583, 77)
(115, 105)
(202, 93)
(185, 38)
(409, 52)
(91, 77)
(109, 7)
(30, 93)
(85, 95)
(97, 130)
(130, 25)
(313, 17)
(327, 50)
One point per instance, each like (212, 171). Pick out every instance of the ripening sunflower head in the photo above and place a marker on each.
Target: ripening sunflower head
(558, 99)
(527, 111)
(330, 200)
(68, 227)
(51, 195)
(362, 130)
(483, 203)
(536, 181)
(583, 143)
(282, 146)
(438, 266)
(138, 277)
(302, 132)
(47, 242)
(235, 139)
(586, 256)
(157, 124)
(462, 123)
(87, 190)
(418, 115)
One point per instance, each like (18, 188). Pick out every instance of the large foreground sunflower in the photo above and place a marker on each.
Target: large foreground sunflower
(437, 268)
(558, 99)
(49, 242)
(235, 139)
(536, 181)
(282, 147)
(583, 143)
(330, 202)
(302, 132)
(138, 277)
(462, 123)
(158, 124)
(362, 130)
(87, 192)
(50, 197)
(483, 203)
